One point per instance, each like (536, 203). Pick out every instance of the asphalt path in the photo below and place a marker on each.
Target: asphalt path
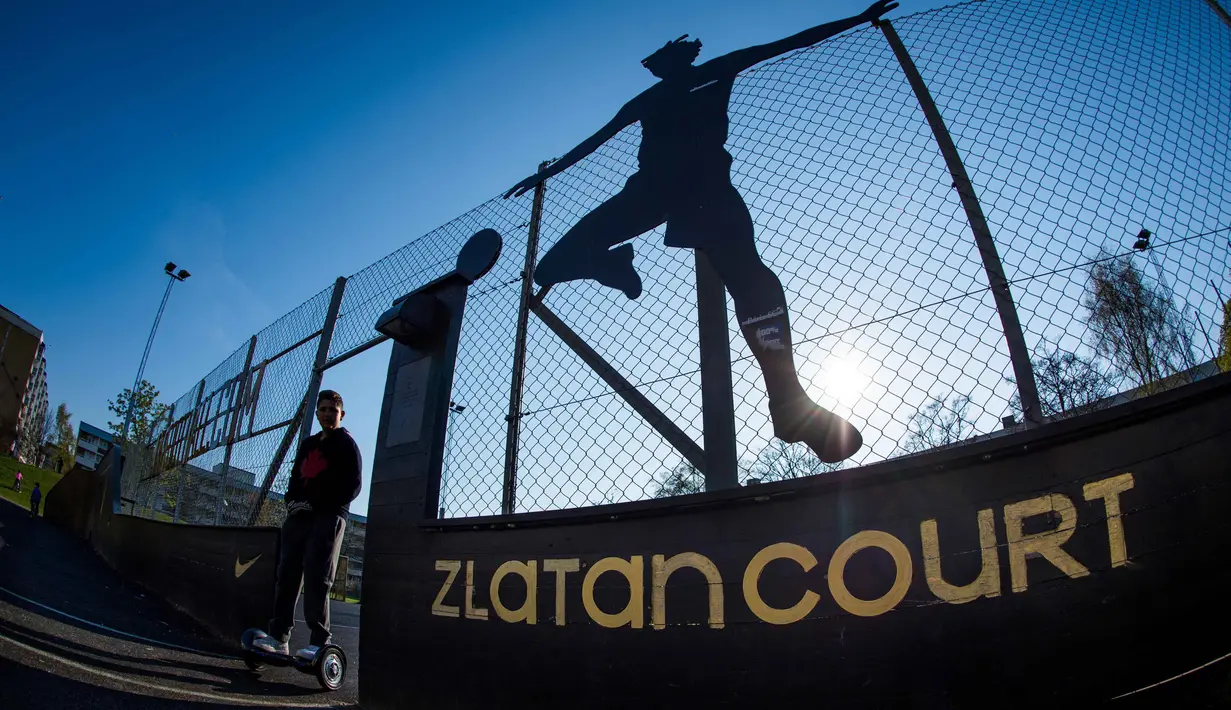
(73, 634)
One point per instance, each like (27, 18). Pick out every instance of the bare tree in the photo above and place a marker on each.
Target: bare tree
(49, 427)
(1066, 382)
(1134, 323)
(66, 440)
(780, 461)
(29, 443)
(681, 480)
(33, 435)
(938, 423)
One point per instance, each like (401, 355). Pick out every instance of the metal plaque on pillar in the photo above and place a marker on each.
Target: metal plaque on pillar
(425, 326)
(409, 398)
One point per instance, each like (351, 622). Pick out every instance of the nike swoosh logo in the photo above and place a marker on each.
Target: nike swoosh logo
(241, 568)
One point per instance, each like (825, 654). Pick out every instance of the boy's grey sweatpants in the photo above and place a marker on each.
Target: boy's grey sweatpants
(310, 545)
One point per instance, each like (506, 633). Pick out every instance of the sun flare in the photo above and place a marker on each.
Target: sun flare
(840, 376)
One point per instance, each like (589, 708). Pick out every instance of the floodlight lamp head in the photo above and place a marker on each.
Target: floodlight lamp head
(1143, 240)
(170, 267)
(183, 274)
(415, 320)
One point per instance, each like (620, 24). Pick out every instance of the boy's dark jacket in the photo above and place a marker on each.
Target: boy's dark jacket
(326, 477)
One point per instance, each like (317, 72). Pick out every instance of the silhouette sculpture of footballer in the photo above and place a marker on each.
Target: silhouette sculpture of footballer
(684, 180)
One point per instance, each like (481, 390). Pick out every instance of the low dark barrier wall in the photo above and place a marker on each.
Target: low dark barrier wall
(73, 503)
(221, 576)
(1067, 564)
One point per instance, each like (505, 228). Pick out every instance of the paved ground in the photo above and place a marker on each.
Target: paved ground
(75, 635)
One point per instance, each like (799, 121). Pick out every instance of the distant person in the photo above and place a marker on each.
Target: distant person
(17, 482)
(684, 181)
(36, 497)
(324, 481)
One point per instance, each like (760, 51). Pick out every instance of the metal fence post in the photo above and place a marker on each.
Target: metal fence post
(322, 356)
(1023, 371)
(1222, 12)
(508, 500)
(179, 493)
(179, 488)
(237, 401)
(272, 472)
(717, 391)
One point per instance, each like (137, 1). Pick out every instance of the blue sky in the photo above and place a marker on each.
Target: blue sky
(269, 148)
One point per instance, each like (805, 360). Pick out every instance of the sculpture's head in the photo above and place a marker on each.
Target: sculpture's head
(673, 58)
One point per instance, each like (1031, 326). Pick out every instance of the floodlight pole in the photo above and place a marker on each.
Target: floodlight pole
(172, 278)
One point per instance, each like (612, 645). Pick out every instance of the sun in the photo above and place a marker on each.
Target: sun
(840, 376)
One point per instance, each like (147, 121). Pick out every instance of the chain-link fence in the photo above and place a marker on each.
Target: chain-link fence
(257, 404)
(1078, 124)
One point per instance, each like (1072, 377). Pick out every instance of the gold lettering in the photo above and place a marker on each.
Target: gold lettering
(847, 550)
(472, 612)
(662, 570)
(1046, 544)
(439, 608)
(1109, 489)
(752, 576)
(528, 571)
(633, 613)
(560, 567)
(988, 582)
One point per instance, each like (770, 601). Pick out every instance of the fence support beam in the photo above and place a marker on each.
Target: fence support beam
(717, 390)
(236, 405)
(508, 499)
(322, 356)
(627, 391)
(357, 350)
(1023, 371)
(179, 486)
(276, 464)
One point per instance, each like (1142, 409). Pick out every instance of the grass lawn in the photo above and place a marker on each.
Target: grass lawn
(29, 476)
(146, 512)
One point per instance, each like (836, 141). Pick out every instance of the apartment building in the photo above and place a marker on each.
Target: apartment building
(92, 444)
(23, 387)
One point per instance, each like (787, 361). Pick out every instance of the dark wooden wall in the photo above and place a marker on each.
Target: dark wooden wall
(191, 566)
(74, 502)
(1124, 612)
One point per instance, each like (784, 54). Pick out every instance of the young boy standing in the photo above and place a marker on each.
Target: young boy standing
(324, 481)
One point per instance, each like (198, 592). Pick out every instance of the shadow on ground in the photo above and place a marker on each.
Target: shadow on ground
(74, 634)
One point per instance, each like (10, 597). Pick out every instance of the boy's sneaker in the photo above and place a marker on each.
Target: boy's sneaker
(270, 645)
(308, 653)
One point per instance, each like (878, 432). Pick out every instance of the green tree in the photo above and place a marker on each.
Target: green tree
(147, 411)
(136, 482)
(66, 440)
